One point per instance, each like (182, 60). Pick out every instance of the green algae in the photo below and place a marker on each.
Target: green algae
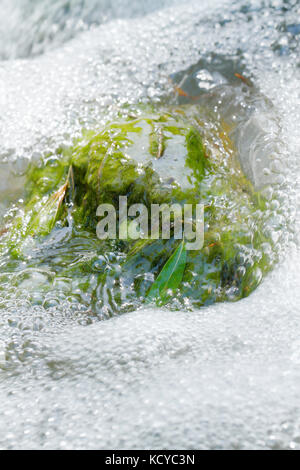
(153, 158)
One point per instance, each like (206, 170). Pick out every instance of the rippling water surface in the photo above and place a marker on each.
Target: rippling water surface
(226, 376)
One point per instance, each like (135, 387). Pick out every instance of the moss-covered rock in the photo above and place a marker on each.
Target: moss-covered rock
(173, 156)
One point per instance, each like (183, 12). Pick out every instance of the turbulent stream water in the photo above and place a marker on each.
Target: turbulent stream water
(225, 376)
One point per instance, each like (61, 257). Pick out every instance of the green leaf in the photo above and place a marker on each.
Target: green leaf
(43, 222)
(170, 276)
(157, 142)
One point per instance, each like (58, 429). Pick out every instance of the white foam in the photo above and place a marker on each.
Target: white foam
(223, 377)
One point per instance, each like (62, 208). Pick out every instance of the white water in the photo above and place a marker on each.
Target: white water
(227, 376)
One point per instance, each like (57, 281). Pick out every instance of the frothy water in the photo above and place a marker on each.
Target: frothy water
(226, 376)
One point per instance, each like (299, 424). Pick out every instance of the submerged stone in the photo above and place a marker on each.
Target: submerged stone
(177, 155)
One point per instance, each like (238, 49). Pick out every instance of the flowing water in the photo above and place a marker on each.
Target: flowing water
(224, 376)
